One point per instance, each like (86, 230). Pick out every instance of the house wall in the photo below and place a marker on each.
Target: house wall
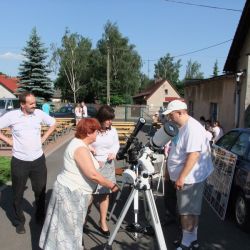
(156, 100)
(217, 90)
(244, 64)
(5, 93)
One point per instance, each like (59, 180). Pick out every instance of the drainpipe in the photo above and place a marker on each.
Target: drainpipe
(237, 99)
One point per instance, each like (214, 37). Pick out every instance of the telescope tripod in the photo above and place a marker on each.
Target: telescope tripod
(142, 184)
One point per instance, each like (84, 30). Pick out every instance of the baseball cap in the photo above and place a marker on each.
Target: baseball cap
(175, 105)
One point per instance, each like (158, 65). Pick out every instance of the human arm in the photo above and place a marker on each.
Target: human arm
(48, 132)
(6, 139)
(191, 160)
(115, 145)
(85, 163)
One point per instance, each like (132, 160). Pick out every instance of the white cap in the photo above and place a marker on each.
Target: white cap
(175, 105)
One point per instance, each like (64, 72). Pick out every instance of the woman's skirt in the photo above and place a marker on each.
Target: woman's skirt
(63, 226)
(107, 171)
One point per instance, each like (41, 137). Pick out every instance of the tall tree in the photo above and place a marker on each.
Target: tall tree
(73, 61)
(167, 69)
(34, 70)
(216, 69)
(193, 70)
(125, 63)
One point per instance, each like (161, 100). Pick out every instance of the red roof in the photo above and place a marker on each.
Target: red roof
(9, 83)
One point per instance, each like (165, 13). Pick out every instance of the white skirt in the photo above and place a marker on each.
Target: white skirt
(63, 226)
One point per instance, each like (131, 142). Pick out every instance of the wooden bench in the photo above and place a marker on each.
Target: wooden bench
(124, 130)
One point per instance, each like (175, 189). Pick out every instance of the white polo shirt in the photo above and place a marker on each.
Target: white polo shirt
(26, 132)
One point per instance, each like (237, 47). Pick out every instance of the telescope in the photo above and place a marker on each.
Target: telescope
(121, 154)
(132, 150)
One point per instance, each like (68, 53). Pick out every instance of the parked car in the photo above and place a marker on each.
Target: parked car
(7, 104)
(237, 141)
(68, 112)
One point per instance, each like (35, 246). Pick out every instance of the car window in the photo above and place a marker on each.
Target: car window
(2, 104)
(228, 140)
(9, 104)
(16, 104)
(241, 145)
(63, 109)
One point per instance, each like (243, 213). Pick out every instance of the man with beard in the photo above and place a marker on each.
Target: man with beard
(28, 160)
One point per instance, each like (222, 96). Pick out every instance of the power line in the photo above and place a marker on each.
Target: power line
(195, 51)
(198, 50)
(204, 6)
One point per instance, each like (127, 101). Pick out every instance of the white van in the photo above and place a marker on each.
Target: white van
(7, 104)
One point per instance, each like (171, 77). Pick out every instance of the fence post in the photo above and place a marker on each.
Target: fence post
(126, 113)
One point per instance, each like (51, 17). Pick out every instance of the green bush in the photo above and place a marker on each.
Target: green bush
(4, 169)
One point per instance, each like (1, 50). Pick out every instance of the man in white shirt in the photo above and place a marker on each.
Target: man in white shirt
(189, 164)
(28, 160)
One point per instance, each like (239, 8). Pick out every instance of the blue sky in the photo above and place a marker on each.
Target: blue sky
(155, 27)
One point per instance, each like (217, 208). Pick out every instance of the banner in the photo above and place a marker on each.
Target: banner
(218, 184)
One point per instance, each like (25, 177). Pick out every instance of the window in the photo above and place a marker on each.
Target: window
(241, 145)
(213, 111)
(228, 140)
(16, 104)
(166, 91)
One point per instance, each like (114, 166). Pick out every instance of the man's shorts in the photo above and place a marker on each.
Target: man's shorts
(189, 199)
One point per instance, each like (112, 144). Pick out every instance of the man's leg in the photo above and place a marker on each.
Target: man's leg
(38, 177)
(189, 224)
(19, 176)
(189, 200)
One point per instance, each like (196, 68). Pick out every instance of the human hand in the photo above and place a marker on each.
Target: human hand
(179, 183)
(115, 188)
(111, 156)
(10, 142)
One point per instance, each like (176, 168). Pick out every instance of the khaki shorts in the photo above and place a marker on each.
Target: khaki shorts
(189, 199)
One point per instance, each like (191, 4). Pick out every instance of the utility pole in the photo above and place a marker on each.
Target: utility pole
(108, 77)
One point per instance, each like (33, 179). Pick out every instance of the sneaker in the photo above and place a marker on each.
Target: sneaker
(20, 229)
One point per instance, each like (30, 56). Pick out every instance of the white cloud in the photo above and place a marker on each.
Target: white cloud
(11, 56)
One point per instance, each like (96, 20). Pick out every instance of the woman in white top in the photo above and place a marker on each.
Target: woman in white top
(72, 191)
(106, 147)
(78, 112)
(217, 131)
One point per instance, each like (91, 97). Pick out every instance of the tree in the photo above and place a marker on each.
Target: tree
(125, 63)
(73, 59)
(167, 69)
(216, 69)
(33, 71)
(193, 70)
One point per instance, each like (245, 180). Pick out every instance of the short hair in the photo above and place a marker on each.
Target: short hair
(105, 113)
(23, 95)
(86, 126)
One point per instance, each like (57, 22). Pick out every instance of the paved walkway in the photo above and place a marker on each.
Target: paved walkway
(214, 233)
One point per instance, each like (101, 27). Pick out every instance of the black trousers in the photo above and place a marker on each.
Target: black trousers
(20, 172)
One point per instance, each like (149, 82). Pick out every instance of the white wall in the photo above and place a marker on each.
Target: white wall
(5, 93)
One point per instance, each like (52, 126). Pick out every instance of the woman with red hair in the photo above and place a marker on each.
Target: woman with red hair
(72, 191)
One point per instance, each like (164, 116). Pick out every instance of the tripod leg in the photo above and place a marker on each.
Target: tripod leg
(121, 217)
(155, 219)
(116, 200)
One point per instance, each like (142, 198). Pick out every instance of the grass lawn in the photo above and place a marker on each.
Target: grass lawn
(4, 169)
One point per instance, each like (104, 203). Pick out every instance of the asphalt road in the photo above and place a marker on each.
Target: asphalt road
(214, 234)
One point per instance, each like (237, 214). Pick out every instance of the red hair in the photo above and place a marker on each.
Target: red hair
(86, 126)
